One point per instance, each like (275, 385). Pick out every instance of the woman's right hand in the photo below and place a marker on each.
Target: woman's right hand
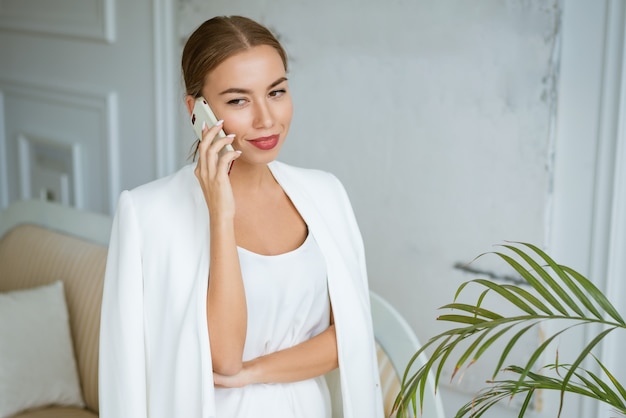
(212, 171)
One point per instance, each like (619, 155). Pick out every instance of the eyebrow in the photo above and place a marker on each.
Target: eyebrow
(246, 91)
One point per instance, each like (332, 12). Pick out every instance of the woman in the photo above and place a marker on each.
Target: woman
(234, 286)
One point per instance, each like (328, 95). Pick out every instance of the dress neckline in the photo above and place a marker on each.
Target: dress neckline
(287, 253)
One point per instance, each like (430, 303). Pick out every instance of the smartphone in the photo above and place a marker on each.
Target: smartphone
(203, 113)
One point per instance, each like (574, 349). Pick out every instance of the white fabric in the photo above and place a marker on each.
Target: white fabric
(287, 302)
(155, 359)
(37, 365)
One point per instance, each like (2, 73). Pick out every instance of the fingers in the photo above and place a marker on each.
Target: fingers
(226, 154)
(215, 152)
(204, 145)
(209, 134)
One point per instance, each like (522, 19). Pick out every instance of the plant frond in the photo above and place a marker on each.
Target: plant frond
(580, 294)
(536, 284)
(584, 354)
(468, 352)
(492, 340)
(557, 292)
(597, 295)
(509, 347)
(507, 295)
(612, 378)
(477, 311)
(523, 293)
(556, 288)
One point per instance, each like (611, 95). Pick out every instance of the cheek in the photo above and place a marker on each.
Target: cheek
(236, 123)
(286, 112)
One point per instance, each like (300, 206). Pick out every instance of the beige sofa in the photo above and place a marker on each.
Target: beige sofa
(33, 253)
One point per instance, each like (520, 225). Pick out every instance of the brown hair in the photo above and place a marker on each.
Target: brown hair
(218, 39)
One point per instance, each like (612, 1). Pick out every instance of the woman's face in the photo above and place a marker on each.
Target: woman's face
(249, 92)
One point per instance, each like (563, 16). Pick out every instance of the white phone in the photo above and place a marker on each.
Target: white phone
(203, 113)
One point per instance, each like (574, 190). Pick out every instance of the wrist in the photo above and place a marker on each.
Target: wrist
(221, 221)
(253, 372)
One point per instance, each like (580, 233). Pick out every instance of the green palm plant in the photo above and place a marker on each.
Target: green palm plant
(554, 292)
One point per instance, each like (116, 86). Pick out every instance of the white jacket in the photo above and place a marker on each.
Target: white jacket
(155, 359)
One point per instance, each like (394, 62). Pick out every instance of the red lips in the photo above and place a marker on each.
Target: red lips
(266, 142)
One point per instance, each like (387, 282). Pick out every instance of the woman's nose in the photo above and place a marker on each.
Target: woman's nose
(263, 118)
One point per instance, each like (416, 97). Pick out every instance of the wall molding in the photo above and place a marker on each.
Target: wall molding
(4, 174)
(588, 221)
(70, 179)
(103, 103)
(615, 269)
(165, 78)
(90, 19)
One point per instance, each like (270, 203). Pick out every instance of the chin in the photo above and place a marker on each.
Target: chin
(259, 158)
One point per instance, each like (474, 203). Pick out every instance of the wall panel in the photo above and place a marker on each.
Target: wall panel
(56, 138)
(82, 18)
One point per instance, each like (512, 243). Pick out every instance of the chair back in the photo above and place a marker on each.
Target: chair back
(397, 343)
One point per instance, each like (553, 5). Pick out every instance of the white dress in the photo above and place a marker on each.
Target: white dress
(287, 298)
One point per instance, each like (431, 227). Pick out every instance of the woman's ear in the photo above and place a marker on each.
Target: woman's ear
(190, 101)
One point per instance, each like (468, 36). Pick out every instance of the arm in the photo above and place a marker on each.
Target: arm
(226, 301)
(122, 362)
(306, 360)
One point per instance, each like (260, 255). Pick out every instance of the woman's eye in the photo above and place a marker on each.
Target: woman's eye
(237, 102)
(277, 93)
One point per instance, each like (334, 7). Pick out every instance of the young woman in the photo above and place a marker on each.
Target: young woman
(234, 286)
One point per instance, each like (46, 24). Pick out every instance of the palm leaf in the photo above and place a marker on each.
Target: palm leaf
(506, 294)
(613, 380)
(509, 347)
(596, 294)
(524, 294)
(477, 311)
(600, 388)
(556, 292)
(536, 284)
(552, 283)
(584, 353)
(579, 293)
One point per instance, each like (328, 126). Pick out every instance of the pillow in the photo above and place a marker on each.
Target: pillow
(37, 365)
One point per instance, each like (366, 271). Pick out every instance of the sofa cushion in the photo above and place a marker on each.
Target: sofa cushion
(38, 366)
(58, 412)
(31, 255)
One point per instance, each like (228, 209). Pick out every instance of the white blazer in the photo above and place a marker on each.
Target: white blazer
(155, 359)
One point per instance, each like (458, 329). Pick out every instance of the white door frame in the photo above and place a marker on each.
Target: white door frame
(165, 70)
(587, 227)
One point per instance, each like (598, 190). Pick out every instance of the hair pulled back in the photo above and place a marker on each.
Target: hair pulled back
(218, 39)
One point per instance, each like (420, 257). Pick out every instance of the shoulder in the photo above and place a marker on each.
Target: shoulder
(177, 181)
(311, 179)
(166, 196)
(176, 187)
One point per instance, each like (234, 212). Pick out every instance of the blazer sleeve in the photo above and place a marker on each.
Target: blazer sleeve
(122, 362)
(354, 232)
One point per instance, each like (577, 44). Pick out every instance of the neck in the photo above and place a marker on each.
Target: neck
(251, 176)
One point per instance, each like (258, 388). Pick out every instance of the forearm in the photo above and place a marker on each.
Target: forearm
(226, 301)
(306, 360)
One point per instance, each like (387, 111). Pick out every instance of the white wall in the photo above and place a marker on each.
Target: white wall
(589, 202)
(435, 115)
